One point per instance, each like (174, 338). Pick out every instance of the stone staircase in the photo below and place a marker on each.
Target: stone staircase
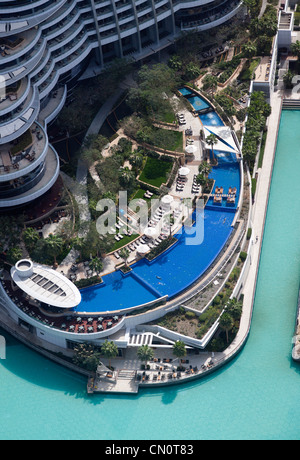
(126, 374)
(291, 104)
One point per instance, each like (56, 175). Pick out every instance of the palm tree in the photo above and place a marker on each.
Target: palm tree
(179, 349)
(226, 323)
(96, 265)
(205, 168)
(126, 177)
(201, 180)
(109, 350)
(124, 253)
(211, 140)
(145, 353)
(234, 308)
(287, 79)
(54, 245)
(136, 160)
(78, 244)
(30, 237)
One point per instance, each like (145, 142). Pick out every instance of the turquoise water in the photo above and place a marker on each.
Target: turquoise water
(255, 396)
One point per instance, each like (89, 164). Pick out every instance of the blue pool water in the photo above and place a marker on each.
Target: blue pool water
(190, 257)
(211, 119)
(255, 396)
(185, 91)
(198, 103)
(226, 175)
(117, 292)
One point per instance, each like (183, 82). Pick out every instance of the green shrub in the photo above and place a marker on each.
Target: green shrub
(243, 255)
(190, 315)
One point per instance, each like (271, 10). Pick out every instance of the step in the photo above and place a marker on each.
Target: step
(126, 374)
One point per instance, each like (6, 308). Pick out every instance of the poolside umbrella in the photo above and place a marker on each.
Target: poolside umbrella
(151, 232)
(79, 319)
(184, 171)
(143, 248)
(191, 149)
(167, 199)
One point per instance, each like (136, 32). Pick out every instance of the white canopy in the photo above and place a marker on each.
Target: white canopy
(143, 248)
(151, 232)
(184, 171)
(167, 199)
(191, 149)
(225, 141)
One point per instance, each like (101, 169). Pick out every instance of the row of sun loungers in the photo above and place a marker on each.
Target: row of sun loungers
(219, 195)
(195, 186)
(148, 194)
(180, 183)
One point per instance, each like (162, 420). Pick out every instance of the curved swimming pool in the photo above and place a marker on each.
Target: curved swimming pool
(178, 268)
(255, 396)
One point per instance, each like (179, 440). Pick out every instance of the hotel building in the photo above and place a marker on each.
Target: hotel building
(46, 45)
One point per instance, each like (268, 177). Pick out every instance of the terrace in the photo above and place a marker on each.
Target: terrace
(67, 322)
(22, 154)
(262, 73)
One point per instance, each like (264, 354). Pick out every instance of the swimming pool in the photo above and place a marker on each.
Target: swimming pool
(185, 91)
(169, 274)
(116, 292)
(226, 175)
(211, 119)
(198, 103)
(178, 268)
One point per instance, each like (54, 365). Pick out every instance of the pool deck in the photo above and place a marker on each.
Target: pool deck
(124, 378)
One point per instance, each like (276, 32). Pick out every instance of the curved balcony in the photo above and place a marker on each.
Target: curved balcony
(213, 17)
(27, 17)
(21, 122)
(48, 179)
(68, 326)
(24, 156)
(15, 96)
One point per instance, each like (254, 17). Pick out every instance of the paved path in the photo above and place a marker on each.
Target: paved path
(258, 220)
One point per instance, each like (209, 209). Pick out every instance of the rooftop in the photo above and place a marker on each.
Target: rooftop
(46, 285)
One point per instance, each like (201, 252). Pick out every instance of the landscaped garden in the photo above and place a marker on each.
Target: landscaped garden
(156, 171)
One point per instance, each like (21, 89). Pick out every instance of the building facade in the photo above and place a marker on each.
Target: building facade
(46, 45)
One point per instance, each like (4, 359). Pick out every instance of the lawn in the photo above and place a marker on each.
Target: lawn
(140, 194)
(166, 139)
(156, 171)
(123, 242)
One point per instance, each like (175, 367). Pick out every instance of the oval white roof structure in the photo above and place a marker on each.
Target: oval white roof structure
(46, 285)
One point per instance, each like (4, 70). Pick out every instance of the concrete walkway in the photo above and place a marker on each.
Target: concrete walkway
(258, 221)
